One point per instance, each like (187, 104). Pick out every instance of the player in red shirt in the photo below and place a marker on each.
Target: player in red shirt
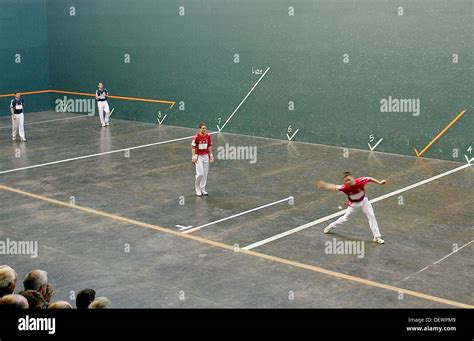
(356, 200)
(202, 155)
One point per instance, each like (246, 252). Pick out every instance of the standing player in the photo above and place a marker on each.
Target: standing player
(101, 96)
(201, 156)
(354, 189)
(16, 108)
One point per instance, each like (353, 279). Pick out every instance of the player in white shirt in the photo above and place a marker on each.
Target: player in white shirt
(101, 96)
(16, 109)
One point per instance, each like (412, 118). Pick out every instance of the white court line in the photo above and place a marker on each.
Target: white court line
(255, 85)
(98, 154)
(426, 267)
(40, 122)
(439, 260)
(329, 217)
(181, 227)
(452, 253)
(238, 214)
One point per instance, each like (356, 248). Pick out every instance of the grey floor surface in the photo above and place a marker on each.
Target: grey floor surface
(138, 267)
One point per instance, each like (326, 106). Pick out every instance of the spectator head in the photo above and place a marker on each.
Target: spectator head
(100, 303)
(35, 299)
(13, 302)
(35, 279)
(38, 280)
(8, 279)
(84, 298)
(60, 305)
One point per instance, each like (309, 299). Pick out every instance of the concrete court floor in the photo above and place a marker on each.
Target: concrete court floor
(140, 267)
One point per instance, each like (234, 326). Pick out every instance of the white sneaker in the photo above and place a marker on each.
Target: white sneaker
(198, 193)
(103, 125)
(107, 124)
(328, 229)
(13, 138)
(23, 140)
(379, 240)
(204, 192)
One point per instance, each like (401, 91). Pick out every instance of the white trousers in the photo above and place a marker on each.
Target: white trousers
(17, 124)
(103, 111)
(367, 208)
(202, 168)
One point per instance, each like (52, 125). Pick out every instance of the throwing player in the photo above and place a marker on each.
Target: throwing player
(355, 191)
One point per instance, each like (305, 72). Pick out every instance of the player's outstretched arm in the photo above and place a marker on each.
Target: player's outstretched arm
(327, 185)
(383, 182)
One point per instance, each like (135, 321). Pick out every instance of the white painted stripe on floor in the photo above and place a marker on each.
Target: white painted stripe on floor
(452, 253)
(426, 267)
(97, 154)
(238, 215)
(48, 121)
(331, 216)
(439, 260)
